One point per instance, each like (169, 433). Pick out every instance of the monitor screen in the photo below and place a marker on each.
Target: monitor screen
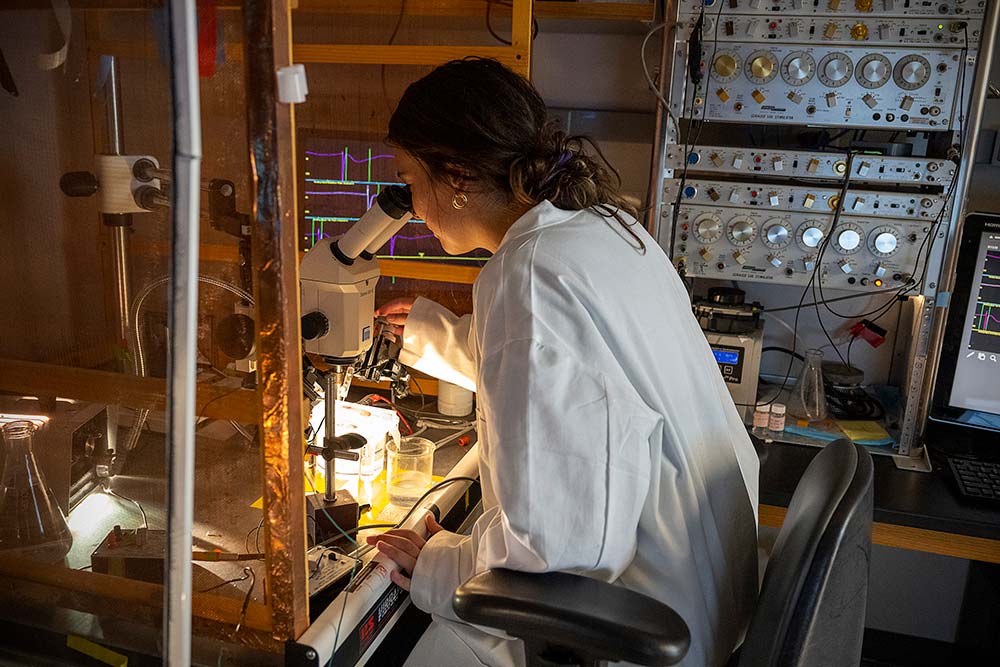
(966, 400)
(338, 179)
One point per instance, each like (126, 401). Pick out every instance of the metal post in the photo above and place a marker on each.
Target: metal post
(663, 134)
(183, 322)
(119, 223)
(941, 269)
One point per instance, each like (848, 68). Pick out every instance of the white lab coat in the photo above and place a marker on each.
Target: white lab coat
(609, 444)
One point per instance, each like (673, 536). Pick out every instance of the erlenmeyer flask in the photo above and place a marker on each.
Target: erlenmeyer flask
(31, 523)
(809, 395)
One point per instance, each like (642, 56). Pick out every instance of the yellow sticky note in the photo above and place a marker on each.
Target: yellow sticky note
(862, 430)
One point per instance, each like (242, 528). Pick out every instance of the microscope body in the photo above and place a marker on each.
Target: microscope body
(339, 302)
(337, 282)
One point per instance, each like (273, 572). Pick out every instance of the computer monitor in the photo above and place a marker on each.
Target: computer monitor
(965, 410)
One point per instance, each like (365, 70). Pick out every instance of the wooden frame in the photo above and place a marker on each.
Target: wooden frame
(914, 539)
(517, 56)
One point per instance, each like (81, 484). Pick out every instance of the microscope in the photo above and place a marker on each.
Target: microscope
(338, 278)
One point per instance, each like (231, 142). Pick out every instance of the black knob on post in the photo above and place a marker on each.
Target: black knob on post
(78, 184)
(314, 325)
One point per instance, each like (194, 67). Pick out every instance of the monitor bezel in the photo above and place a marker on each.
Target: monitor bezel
(944, 431)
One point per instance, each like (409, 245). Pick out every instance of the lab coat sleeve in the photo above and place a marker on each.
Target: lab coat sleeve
(570, 465)
(439, 343)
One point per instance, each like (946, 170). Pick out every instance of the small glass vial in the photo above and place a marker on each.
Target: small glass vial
(777, 420)
(761, 419)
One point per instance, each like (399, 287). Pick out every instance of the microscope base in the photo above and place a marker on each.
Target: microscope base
(343, 510)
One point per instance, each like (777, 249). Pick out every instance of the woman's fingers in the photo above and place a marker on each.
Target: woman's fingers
(407, 543)
(400, 579)
(400, 306)
(405, 560)
(432, 525)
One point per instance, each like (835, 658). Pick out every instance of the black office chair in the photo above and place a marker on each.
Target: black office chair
(810, 611)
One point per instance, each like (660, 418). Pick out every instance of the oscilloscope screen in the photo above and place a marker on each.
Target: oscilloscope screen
(339, 179)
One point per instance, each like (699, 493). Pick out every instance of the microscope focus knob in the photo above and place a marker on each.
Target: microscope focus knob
(315, 325)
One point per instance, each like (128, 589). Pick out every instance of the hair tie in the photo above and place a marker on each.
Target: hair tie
(564, 157)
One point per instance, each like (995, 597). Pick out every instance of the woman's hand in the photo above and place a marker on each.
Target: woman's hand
(403, 546)
(396, 311)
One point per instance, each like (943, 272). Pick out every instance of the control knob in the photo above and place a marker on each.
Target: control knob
(873, 70)
(849, 240)
(742, 232)
(911, 72)
(811, 235)
(798, 68)
(884, 242)
(708, 229)
(763, 67)
(835, 69)
(776, 235)
(726, 66)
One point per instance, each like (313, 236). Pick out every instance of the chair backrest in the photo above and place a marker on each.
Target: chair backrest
(811, 607)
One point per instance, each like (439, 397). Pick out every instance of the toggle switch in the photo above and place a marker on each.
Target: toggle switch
(812, 166)
(809, 263)
(772, 198)
(870, 100)
(778, 164)
(730, 28)
(740, 258)
(845, 265)
(751, 28)
(859, 204)
(713, 194)
(795, 97)
(880, 270)
(831, 30)
(793, 30)
(834, 5)
(809, 200)
(722, 94)
(738, 161)
(864, 168)
(774, 260)
(716, 160)
(907, 103)
(734, 196)
(758, 96)
(706, 254)
(831, 100)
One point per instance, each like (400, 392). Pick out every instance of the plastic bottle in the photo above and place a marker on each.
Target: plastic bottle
(777, 421)
(761, 418)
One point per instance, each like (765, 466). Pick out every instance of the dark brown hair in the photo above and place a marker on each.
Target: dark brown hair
(476, 120)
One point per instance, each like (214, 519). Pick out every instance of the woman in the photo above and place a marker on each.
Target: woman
(609, 445)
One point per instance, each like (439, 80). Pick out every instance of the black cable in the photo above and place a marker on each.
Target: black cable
(493, 33)
(827, 238)
(849, 346)
(689, 143)
(777, 348)
(860, 295)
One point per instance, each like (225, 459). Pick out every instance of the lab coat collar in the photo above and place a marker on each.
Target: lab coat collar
(540, 216)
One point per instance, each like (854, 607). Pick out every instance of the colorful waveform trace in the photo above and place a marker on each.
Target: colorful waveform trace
(986, 320)
(341, 183)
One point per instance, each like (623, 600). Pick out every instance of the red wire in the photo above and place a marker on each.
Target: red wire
(378, 397)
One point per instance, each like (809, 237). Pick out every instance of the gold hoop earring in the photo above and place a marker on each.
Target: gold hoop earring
(459, 200)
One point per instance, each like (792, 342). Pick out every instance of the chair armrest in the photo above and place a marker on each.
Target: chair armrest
(601, 620)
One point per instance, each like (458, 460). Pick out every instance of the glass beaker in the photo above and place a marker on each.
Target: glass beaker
(32, 525)
(809, 395)
(408, 469)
